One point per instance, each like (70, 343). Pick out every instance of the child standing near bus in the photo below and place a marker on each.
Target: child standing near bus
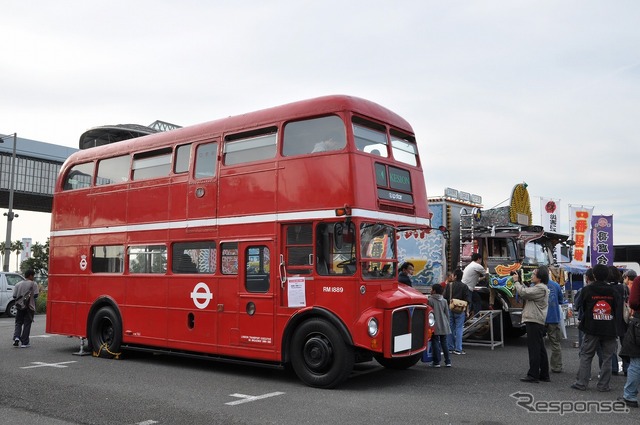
(442, 329)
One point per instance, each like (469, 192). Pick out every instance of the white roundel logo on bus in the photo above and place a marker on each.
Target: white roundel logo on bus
(197, 295)
(83, 262)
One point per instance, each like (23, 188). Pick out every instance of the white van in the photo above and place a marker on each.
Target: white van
(628, 265)
(7, 282)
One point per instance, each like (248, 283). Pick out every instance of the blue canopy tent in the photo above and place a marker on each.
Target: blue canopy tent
(575, 275)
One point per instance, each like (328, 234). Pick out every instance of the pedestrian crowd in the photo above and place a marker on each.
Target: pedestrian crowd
(607, 308)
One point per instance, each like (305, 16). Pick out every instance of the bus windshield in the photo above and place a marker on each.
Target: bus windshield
(377, 248)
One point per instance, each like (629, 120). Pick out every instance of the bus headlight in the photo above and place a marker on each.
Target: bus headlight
(432, 319)
(372, 327)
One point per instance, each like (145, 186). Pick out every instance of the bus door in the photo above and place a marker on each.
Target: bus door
(256, 288)
(192, 297)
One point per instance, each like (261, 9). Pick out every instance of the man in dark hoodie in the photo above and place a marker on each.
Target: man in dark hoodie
(602, 306)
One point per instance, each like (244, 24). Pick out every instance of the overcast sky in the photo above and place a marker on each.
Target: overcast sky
(498, 92)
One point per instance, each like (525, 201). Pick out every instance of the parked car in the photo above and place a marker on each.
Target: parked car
(7, 281)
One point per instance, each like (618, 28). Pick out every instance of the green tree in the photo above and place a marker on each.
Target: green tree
(2, 245)
(38, 261)
(17, 247)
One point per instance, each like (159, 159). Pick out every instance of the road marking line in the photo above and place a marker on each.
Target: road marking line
(149, 422)
(40, 336)
(247, 398)
(60, 365)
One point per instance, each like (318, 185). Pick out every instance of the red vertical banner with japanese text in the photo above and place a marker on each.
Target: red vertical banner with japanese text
(602, 240)
(580, 223)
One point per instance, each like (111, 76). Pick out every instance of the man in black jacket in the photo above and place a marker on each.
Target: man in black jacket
(602, 307)
(406, 271)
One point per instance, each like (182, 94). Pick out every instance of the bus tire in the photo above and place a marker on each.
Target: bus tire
(399, 363)
(106, 333)
(319, 355)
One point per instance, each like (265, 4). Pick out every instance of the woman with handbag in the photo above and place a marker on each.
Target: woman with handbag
(456, 290)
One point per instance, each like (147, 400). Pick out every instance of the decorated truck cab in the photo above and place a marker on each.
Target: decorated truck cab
(503, 236)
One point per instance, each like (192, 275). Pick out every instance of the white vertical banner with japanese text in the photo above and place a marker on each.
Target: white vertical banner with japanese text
(550, 219)
(549, 214)
(26, 252)
(580, 224)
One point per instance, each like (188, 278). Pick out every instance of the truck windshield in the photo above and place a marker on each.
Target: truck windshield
(377, 249)
(536, 254)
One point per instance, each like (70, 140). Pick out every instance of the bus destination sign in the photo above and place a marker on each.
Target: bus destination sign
(395, 196)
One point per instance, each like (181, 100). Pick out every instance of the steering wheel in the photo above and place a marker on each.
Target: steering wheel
(348, 262)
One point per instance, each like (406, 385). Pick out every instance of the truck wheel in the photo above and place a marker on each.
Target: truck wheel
(105, 333)
(399, 363)
(319, 355)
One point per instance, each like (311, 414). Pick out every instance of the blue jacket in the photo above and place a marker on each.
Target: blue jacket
(555, 299)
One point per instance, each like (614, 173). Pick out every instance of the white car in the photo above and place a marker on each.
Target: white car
(7, 282)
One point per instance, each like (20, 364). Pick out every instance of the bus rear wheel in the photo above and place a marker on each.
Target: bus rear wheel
(319, 355)
(106, 333)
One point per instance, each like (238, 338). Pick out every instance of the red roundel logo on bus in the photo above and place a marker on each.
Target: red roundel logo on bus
(550, 207)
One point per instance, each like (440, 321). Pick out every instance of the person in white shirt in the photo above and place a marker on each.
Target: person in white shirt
(472, 274)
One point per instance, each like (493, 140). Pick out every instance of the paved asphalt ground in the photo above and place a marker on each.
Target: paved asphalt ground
(46, 384)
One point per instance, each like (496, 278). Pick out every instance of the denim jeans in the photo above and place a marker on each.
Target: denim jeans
(438, 344)
(633, 380)
(454, 339)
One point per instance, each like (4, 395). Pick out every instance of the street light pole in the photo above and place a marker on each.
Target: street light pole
(10, 215)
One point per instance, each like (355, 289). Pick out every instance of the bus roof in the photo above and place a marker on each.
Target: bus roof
(251, 120)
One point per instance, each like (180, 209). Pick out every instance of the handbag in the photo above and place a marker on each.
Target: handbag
(456, 305)
(626, 314)
(626, 310)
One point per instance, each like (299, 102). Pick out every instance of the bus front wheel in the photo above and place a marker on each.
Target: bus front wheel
(106, 333)
(319, 355)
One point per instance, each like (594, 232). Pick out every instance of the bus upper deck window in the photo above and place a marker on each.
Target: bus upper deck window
(369, 140)
(404, 150)
(253, 148)
(113, 170)
(182, 159)
(154, 164)
(79, 176)
(314, 135)
(206, 159)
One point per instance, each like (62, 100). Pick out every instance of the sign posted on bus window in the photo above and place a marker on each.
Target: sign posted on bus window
(295, 292)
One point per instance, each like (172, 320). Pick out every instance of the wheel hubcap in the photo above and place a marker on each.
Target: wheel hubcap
(317, 353)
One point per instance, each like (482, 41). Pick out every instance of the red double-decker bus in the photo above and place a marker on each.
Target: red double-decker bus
(267, 237)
